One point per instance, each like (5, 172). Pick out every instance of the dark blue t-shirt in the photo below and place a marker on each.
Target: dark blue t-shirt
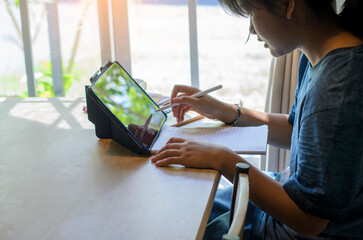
(326, 159)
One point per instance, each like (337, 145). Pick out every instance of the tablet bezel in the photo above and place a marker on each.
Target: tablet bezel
(112, 116)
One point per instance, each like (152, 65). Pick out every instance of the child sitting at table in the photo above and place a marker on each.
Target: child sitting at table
(323, 197)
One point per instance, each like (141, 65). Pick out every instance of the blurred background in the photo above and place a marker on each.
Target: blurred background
(159, 48)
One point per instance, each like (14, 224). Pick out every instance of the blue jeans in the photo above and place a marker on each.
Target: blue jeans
(218, 223)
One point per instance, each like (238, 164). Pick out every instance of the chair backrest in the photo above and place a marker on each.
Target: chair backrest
(239, 202)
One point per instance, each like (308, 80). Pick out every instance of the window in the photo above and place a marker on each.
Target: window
(80, 42)
(70, 45)
(11, 47)
(159, 37)
(225, 57)
(159, 47)
(156, 36)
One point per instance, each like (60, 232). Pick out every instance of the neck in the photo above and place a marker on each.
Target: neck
(318, 42)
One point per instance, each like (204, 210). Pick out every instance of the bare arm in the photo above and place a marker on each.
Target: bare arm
(265, 192)
(270, 196)
(280, 129)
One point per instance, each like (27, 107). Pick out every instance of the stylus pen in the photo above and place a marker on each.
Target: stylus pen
(197, 95)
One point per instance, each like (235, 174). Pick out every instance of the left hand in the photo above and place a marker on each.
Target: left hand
(191, 153)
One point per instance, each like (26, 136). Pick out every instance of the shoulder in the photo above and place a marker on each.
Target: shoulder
(336, 81)
(342, 63)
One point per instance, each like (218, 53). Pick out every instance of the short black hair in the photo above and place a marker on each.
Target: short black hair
(350, 18)
(245, 7)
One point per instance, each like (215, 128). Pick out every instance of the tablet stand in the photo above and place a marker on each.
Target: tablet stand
(106, 128)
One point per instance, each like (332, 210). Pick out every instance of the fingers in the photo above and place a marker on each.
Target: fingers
(166, 157)
(165, 154)
(180, 112)
(176, 97)
(185, 99)
(172, 143)
(188, 90)
(170, 154)
(186, 103)
(167, 161)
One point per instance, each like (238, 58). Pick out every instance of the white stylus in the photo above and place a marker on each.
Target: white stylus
(196, 95)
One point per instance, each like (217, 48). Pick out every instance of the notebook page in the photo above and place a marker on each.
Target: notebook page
(251, 140)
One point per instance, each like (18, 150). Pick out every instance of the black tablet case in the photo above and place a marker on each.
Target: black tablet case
(106, 124)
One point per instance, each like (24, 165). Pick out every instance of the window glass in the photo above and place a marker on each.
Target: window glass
(12, 69)
(79, 46)
(81, 54)
(225, 57)
(160, 50)
(159, 36)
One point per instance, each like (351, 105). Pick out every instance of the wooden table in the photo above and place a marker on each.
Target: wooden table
(59, 181)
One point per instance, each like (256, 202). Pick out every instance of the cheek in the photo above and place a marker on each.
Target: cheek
(273, 32)
(273, 36)
(262, 29)
(267, 27)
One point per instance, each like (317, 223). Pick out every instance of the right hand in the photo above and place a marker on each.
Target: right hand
(206, 105)
(195, 154)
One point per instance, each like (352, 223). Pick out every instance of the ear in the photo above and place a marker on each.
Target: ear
(290, 7)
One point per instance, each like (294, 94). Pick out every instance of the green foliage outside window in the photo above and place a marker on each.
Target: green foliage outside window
(43, 78)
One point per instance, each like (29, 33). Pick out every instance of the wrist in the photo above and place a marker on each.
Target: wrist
(226, 113)
(227, 165)
(237, 109)
(221, 157)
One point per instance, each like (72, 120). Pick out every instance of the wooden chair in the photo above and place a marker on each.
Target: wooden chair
(239, 203)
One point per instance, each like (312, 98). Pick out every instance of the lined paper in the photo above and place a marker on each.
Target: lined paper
(246, 140)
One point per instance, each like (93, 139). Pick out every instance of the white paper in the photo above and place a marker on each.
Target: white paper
(248, 140)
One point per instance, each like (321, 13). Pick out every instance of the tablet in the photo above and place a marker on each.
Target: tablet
(129, 115)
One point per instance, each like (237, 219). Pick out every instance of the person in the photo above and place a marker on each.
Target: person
(322, 197)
